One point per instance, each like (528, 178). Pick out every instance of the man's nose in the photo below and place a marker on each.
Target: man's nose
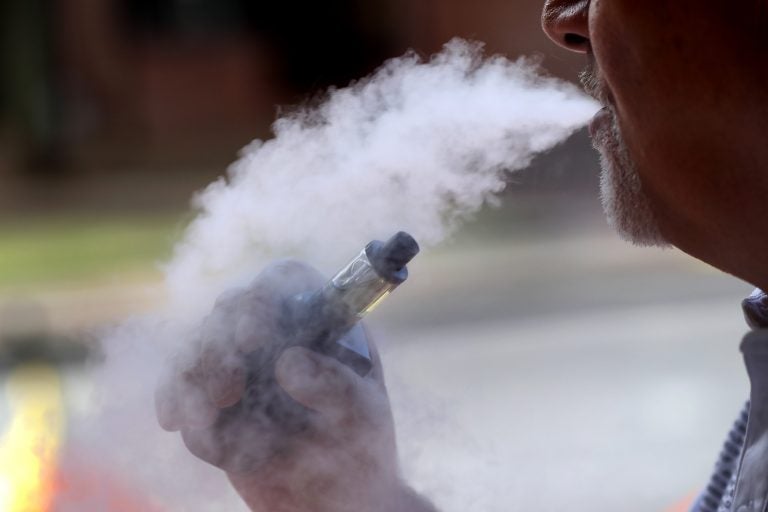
(566, 23)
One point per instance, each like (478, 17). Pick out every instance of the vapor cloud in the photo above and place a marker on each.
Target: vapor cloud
(418, 146)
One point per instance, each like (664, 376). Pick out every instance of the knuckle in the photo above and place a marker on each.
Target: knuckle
(215, 331)
(251, 332)
(287, 277)
(228, 299)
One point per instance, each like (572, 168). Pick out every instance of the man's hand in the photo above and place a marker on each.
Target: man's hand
(344, 461)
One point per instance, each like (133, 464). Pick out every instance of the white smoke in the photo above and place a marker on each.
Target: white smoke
(417, 146)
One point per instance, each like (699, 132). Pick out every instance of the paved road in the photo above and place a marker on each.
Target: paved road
(557, 371)
(574, 373)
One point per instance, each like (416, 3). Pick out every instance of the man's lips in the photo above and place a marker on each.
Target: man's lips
(600, 121)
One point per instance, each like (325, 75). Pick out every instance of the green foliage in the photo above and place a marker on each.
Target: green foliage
(44, 251)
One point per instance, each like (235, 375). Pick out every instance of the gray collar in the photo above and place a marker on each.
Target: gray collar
(752, 483)
(755, 309)
(751, 494)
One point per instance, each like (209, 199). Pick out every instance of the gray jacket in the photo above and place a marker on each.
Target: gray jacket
(740, 479)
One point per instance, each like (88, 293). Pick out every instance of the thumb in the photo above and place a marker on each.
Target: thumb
(318, 382)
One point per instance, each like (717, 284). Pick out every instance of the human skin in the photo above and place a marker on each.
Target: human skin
(345, 461)
(688, 84)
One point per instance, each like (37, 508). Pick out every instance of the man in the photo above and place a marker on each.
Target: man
(684, 92)
(684, 163)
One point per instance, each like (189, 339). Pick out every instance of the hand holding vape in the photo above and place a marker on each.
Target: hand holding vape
(261, 424)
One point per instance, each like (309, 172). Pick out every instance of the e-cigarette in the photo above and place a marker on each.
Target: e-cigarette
(261, 424)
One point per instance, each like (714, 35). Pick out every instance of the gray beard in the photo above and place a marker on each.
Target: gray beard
(626, 206)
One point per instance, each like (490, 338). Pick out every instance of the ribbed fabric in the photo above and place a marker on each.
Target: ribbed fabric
(718, 495)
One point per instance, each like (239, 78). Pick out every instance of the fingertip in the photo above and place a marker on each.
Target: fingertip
(165, 411)
(226, 387)
(224, 375)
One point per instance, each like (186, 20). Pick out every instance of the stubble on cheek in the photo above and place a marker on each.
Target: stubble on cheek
(626, 206)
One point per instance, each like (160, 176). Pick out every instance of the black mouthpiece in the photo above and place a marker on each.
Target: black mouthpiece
(390, 258)
(399, 250)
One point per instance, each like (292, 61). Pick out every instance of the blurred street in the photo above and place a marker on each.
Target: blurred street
(536, 365)
(574, 373)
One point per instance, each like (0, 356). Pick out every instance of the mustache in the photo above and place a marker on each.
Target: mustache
(593, 84)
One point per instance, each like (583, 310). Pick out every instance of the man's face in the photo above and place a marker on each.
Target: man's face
(683, 134)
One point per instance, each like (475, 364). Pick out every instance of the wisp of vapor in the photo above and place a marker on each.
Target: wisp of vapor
(417, 146)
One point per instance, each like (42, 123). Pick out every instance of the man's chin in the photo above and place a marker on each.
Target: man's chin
(625, 204)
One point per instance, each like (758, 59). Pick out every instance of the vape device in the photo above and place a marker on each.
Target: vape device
(261, 424)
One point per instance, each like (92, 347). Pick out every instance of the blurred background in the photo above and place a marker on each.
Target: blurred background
(555, 365)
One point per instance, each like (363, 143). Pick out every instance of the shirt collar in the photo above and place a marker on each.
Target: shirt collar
(755, 309)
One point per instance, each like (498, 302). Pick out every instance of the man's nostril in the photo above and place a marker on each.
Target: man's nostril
(575, 40)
